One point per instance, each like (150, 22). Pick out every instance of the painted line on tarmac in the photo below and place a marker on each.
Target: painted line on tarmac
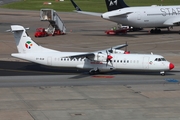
(103, 76)
(172, 80)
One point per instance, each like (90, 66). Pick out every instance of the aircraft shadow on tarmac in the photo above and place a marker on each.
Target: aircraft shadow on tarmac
(132, 34)
(17, 68)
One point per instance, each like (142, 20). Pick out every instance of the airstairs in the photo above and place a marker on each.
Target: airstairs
(56, 25)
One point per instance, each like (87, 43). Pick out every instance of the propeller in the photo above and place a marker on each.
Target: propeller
(109, 57)
(111, 51)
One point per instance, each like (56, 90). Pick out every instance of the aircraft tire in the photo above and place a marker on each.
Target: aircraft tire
(152, 31)
(162, 73)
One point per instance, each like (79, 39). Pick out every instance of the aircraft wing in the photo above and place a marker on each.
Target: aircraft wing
(91, 55)
(85, 55)
(120, 14)
(172, 21)
(89, 13)
(78, 10)
(115, 47)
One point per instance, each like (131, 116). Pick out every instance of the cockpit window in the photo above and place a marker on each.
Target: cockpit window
(163, 59)
(160, 59)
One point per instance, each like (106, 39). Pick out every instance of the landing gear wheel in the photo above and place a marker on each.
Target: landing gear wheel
(158, 30)
(162, 73)
(93, 72)
(152, 31)
(155, 30)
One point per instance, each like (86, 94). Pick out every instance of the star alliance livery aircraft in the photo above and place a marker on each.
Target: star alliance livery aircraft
(141, 16)
(98, 61)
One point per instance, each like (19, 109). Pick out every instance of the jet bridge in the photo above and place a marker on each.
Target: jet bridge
(56, 25)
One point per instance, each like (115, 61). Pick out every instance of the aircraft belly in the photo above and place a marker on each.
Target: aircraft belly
(121, 20)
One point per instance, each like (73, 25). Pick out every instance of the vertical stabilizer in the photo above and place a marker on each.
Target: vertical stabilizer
(75, 5)
(23, 41)
(115, 4)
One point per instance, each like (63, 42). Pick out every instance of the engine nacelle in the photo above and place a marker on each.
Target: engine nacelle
(101, 69)
(115, 51)
(100, 57)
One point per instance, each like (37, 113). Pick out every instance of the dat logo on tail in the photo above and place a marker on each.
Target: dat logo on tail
(112, 2)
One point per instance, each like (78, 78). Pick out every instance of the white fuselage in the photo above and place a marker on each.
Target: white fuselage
(145, 17)
(119, 61)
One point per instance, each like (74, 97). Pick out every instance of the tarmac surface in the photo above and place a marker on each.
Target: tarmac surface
(30, 91)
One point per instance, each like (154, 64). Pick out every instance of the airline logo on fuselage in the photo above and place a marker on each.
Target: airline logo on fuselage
(170, 11)
(112, 2)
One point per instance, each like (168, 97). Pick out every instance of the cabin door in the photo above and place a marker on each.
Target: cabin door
(49, 61)
(146, 62)
(138, 16)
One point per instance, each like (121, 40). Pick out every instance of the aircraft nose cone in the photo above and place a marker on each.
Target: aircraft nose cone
(171, 66)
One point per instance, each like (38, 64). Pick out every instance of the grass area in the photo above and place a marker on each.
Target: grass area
(86, 5)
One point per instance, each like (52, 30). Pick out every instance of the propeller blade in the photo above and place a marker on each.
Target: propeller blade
(111, 51)
(126, 52)
(109, 57)
(111, 62)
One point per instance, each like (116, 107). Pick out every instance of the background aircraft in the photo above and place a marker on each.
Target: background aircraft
(98, 61)
(142, 16)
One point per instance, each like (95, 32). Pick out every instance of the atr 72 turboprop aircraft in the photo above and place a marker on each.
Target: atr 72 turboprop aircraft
(141, 16)
(98, 61)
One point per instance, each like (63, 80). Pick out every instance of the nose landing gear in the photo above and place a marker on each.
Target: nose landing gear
(162, 73)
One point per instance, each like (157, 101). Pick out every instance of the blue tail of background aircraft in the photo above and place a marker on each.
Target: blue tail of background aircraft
(111, 5)
(115, 4)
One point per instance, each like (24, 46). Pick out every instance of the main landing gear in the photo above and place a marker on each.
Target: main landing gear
(156, 30)
(94, 71)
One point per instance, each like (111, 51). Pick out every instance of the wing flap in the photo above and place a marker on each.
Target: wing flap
(115, 47)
